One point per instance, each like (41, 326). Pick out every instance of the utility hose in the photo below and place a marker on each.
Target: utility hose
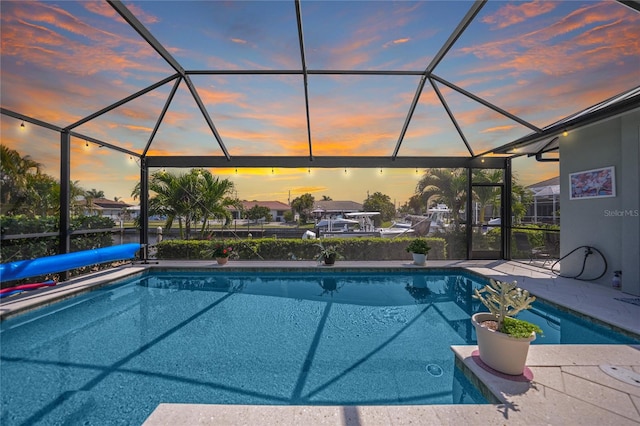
(588, 250)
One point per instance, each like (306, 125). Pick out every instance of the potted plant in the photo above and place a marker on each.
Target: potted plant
(419, 248)
(503, 341)
(328, 254)
(221, 252)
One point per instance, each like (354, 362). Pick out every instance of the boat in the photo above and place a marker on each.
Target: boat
(436, 221)
(440, 216)
(360, 224)
(336, 224)
(397, 229)
(352, 225)
(365, 220)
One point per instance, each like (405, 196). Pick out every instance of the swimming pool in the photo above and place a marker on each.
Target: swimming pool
(112, 355)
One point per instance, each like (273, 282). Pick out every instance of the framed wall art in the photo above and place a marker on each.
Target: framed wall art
(596, 183)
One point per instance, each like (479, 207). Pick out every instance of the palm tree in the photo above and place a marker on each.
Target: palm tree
(44, 199)
(91, 195)
(170, 198)
(486, 195)
(75, 193)
(189, 198)
(216, 196)
(14, 172)
(521, 198)
(94, 193)
(448, 186)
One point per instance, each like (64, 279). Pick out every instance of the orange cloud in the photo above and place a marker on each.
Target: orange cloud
(103, 9)
(531, 52)
(221, 96)
(511, 14)
(498, 129)
(300, 190)
(397, 41)
(36, 33)
(559, 61)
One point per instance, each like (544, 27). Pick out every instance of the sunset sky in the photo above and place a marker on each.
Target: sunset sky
(539, 60)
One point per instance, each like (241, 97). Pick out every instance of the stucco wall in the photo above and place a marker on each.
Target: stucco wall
(611, 225)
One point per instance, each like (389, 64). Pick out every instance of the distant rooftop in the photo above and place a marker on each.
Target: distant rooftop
(548, 182)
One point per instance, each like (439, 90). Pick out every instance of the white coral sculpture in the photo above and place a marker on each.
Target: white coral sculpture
(504, 299)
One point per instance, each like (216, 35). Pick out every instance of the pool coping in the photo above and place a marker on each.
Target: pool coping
(568, 385)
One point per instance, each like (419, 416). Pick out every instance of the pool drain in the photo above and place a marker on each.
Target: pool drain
(435, 370)
(622, 374)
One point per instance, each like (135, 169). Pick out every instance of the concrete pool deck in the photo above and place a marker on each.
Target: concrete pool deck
(568, 384)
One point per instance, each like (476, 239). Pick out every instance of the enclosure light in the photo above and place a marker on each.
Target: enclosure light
(345, 170)
(380, 170)
(272, 170)
(565, 133)
(236, 171)
(86, 144)
(416, 170)
(482, 160)
(22, 125)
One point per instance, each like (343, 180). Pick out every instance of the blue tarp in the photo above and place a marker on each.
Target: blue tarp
(64, 262)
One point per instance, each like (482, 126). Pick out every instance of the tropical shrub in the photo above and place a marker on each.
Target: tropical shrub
(367, 249)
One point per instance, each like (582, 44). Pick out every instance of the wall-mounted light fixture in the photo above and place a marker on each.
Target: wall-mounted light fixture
(22, 125)
(565, 133)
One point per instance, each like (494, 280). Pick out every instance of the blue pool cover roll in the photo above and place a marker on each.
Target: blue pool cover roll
(64, 262)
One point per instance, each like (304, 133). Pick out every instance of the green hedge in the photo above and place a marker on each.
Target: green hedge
(32, 248)
(12, 250)
(298, 249)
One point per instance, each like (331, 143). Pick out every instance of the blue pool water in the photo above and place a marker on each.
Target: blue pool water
(112, 355)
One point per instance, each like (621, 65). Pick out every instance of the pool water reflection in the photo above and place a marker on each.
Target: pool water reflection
(248, 338)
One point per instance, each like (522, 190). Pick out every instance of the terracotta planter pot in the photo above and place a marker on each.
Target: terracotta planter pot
(419, 259)
(500, 351)
(222, 260)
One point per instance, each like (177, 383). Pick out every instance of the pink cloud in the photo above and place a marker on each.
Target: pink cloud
(498, 129)
(37, 33)
(103, 9)
(511, 14)
(531, 52)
